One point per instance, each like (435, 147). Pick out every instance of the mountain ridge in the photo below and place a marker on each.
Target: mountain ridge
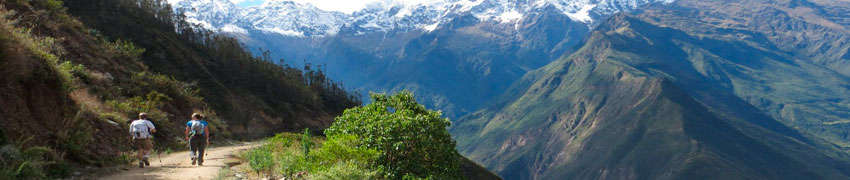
(598, 114)
(305, 20)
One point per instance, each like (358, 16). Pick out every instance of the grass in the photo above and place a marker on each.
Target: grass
(223, 174)
(287, 155)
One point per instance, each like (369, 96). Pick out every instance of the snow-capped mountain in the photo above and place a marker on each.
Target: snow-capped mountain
(305, 20)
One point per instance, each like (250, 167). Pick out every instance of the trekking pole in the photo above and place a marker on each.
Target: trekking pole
(159, 155)
(207, 150)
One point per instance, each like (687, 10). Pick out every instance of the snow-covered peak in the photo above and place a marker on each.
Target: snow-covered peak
(291, 18)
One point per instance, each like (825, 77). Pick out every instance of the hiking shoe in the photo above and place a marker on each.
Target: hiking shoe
(147, 163)
(141, 164)
(200, 164)
(193, 161)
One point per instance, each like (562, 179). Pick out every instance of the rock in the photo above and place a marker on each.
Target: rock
(9, 152)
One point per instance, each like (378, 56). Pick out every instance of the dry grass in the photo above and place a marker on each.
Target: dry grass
(84, 98)
(15, 64)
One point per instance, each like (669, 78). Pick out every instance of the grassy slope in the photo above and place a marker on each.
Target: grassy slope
(612, 111)
(785, 58)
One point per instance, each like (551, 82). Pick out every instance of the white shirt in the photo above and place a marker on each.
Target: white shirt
(141, 129)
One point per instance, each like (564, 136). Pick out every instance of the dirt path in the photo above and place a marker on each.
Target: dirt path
(178, 166)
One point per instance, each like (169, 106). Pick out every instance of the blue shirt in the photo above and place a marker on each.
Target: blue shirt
(189, 124)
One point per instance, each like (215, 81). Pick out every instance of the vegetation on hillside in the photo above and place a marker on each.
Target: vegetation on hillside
(630, 105)
(394, 137)
(239, 86)
(68, 91)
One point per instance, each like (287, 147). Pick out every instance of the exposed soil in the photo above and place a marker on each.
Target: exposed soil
(178, 165)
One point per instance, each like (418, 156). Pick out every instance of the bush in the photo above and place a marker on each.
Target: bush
(49, 5)
(290, 163)
(341, 148)
(261, 160)
(411, 139)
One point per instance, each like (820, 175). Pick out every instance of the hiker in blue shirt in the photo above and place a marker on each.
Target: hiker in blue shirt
(198, 135)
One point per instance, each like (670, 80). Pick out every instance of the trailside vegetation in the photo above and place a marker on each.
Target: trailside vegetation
(394, 137)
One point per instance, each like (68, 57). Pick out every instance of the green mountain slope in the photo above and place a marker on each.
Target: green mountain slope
(785, 58)
(643, 100)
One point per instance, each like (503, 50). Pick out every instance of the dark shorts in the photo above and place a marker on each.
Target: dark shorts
(145, 144)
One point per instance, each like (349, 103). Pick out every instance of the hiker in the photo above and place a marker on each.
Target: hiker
(141, 130)
(198, 135)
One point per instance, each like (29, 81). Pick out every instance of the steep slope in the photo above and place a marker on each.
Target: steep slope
(256, 97)
(634, 103)
(68, 90)
(789, 58)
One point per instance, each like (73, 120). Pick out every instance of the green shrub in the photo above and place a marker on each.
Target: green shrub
(280, 141)
(76, 71)
(341, 148)
(49, 5)
(411, 139)
(261, 160)
(290, 163)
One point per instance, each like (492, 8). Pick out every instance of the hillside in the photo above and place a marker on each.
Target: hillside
(256, 96)
(68, 90)
(693, 89)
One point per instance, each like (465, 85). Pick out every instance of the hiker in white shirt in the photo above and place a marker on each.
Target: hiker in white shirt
(141, 130)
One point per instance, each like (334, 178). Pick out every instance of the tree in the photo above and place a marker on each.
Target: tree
(412, 140)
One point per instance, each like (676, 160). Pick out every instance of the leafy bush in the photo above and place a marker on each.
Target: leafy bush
(291, 162)
(261, 160)
(341, 148)
(412, 140)
(78, 71)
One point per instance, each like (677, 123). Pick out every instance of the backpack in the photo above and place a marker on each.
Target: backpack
(197, 128)
(139, 129)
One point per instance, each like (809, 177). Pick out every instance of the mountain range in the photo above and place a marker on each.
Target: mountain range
(455, 54)
(689, 90)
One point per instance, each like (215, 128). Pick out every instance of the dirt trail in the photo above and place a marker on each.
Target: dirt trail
(178, 166)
